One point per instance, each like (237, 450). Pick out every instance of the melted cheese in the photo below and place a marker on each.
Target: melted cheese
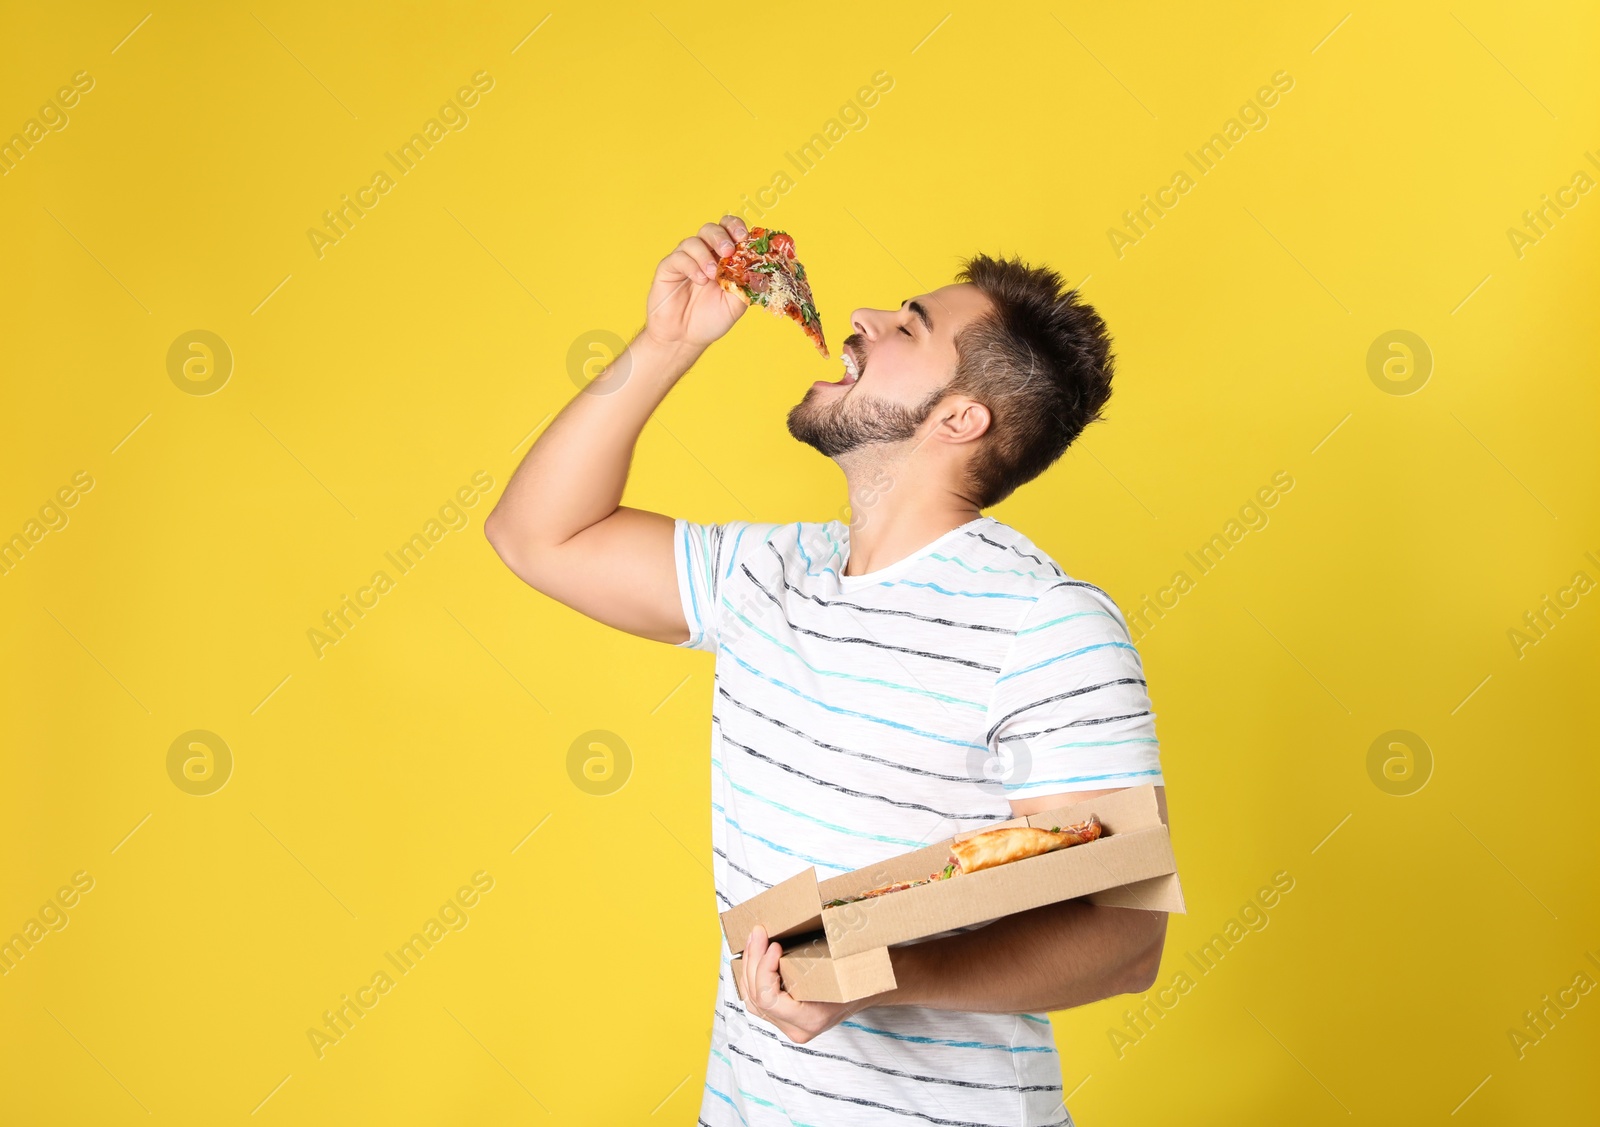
(781, 292)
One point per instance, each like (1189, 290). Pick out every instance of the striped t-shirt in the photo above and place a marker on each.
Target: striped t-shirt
(859, 716)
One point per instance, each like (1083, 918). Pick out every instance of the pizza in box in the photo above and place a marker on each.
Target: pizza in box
(991, 848)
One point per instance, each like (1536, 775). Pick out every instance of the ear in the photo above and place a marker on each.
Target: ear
(963, 420)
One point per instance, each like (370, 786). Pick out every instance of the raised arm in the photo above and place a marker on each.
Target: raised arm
(560, 524)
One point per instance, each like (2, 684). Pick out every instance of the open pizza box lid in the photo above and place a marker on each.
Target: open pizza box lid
(841, 953)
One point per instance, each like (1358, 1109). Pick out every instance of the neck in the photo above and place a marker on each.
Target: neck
(900, 501)
(890, 528)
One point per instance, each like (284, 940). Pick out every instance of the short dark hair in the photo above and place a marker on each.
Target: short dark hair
(1040, 360)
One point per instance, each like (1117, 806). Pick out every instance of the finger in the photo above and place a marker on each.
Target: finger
(735, 227)
(756, 944)
(699, 250)
(717, 237)
(681, 264)
(777, 1006)
(754, 949)
(769, 986)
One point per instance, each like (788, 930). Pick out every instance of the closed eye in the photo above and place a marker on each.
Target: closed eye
(905, 330)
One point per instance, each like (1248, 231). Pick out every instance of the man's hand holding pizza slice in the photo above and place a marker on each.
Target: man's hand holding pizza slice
(686, 308)
(712, 277)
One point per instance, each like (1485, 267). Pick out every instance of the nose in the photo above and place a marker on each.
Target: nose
(865, 322)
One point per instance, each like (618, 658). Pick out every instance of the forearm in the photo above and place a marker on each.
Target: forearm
(1049, 958)
(573, 475)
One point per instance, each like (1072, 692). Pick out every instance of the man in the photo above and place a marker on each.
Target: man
(925, 670)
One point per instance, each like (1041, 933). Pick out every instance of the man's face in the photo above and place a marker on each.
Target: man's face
(902, 361)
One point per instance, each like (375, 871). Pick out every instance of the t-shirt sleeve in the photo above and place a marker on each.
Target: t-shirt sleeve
(1070, 709)
(696, 551)
(705, 555)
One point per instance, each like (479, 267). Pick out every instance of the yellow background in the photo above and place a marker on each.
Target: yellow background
(371, 383)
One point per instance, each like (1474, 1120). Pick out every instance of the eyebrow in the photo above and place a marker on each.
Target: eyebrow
(917, 308)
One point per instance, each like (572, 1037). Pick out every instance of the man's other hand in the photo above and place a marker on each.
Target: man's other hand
(765, 996)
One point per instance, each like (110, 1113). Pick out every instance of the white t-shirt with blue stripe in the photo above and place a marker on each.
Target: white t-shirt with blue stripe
(857, 717)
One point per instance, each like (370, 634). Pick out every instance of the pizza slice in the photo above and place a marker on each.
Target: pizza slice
(894, 886)
(991, 848)
(763, 270)
(998, 847)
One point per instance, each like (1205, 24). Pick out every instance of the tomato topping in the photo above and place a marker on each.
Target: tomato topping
(783, 244)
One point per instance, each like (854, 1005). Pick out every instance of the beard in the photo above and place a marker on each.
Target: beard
(851, 422)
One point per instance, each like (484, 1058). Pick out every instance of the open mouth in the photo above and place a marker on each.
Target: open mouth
(851, 372)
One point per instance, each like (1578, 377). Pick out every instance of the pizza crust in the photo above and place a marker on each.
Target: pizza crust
(991, 848)
(732, 287)
(999, 847)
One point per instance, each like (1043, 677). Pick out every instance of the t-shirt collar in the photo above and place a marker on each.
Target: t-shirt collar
(892, 571)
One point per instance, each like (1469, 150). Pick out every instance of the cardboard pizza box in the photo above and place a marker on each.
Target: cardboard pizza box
(841, 953)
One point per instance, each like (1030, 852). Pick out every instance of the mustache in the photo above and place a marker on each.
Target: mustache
(856, 343)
